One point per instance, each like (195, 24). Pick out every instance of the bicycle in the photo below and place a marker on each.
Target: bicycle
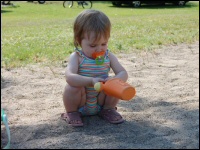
(84, 4)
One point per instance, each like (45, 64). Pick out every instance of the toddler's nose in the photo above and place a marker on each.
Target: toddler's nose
(99, 50)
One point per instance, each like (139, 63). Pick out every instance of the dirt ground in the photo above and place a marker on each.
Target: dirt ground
(163, 114)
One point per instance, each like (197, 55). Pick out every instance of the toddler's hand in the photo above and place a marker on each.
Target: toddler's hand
(108, 78)
(95, 80)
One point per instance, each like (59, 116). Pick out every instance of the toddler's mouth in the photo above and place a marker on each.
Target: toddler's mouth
(99, 57)
(98, 54)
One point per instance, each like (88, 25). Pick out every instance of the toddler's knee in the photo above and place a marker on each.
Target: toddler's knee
(72, 89)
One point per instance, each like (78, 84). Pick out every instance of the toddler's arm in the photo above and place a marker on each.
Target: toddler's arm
(72, 76)
(118, 69)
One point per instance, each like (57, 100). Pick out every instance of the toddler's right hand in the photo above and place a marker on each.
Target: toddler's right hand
(95, 80)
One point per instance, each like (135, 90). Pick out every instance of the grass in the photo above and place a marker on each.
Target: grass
(35, 33)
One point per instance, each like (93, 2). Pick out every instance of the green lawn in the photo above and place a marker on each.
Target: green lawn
(36, 33)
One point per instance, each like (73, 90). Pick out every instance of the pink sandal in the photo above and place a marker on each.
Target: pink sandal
(70, 117)
(110, 115)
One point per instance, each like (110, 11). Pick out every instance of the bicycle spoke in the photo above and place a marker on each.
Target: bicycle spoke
(67, 4)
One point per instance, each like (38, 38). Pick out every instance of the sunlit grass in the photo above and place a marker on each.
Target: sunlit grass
(34, 33)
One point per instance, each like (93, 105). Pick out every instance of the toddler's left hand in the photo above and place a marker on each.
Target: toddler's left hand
(108, 78)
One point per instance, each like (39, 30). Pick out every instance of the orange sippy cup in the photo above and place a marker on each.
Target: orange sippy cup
(117, 88)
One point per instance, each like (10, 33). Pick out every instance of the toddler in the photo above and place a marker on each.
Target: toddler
(89, 64)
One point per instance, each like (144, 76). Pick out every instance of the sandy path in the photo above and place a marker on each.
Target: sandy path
(164, 113)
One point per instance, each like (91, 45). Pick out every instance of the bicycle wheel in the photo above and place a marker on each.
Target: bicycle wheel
(41, 2)
(67, 4)
(87, 4)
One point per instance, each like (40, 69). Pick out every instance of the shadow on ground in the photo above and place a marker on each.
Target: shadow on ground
(136, 132)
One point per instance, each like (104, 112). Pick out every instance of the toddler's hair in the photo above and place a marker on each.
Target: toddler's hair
(91, 21)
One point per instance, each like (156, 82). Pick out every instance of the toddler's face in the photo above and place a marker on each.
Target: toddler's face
(89, 47)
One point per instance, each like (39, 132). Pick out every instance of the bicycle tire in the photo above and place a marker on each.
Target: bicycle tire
(41, 2)
(68, 4)
(87, 4)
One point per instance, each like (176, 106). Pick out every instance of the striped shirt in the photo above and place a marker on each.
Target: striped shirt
(89, 68)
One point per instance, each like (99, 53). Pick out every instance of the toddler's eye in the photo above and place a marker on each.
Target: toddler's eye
(92, 45)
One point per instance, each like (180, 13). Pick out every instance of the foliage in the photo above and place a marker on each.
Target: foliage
(42, 33)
